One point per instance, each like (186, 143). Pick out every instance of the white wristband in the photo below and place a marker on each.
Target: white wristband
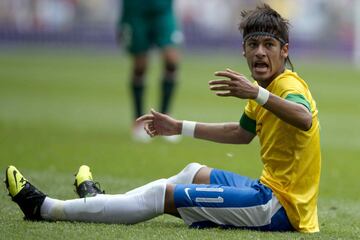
(262, 96)
(188, 128)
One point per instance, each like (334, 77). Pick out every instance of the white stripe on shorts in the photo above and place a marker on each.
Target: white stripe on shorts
(255, 216)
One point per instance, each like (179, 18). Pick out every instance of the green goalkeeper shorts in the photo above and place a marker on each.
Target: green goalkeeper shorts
(144, 30)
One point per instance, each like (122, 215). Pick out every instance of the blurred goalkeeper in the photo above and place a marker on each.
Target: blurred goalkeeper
(143, 25)
(280, 111)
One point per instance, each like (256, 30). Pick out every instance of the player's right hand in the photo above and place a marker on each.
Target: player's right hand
(159, 124)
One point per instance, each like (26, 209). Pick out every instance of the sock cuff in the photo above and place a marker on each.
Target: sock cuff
(157, 192)
(193, 168)
(186, 176)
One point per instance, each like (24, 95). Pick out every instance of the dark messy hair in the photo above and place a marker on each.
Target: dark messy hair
(265, 21)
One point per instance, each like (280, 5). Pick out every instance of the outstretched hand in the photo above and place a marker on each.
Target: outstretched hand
(159, 124)
(237, 85)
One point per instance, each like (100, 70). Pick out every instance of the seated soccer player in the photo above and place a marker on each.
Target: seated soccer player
(280, 111)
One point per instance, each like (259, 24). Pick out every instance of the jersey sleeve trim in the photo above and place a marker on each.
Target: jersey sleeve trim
(248, 123)
(298, 98)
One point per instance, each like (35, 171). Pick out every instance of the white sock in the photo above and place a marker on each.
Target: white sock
(186, 176)
(137, 205)
(104, 208)
(146, 186)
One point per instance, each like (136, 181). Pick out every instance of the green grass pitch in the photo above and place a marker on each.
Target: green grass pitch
(61, 109)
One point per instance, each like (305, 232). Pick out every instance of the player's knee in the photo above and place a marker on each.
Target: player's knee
(186, 175)
(191, 167)
(170, 67)
(139, 71)
(138, 76)
(202, 176)
(192, 171)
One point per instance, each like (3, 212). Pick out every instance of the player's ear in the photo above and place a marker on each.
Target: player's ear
(285, 50)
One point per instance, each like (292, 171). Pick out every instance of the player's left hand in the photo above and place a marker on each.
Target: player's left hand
(237, 85)
(159, 124)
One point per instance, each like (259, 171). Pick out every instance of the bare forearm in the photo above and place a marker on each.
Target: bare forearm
(293, 113)
(229, 133)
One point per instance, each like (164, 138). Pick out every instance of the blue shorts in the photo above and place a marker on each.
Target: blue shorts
(232, 201)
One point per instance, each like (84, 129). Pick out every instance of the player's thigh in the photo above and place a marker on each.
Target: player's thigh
(135, 36)
(224, 205)
(255, 207)
(165, 31)
(227, 178)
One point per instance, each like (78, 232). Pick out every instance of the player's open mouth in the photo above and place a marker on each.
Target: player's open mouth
(260, 66)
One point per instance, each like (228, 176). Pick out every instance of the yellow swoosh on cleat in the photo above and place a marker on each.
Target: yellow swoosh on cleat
(15, 180)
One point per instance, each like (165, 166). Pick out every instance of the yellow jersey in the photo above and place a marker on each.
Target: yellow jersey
(291, 157)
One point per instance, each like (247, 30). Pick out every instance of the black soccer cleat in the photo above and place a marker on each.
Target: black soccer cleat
(21, 191)
(84, 184)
